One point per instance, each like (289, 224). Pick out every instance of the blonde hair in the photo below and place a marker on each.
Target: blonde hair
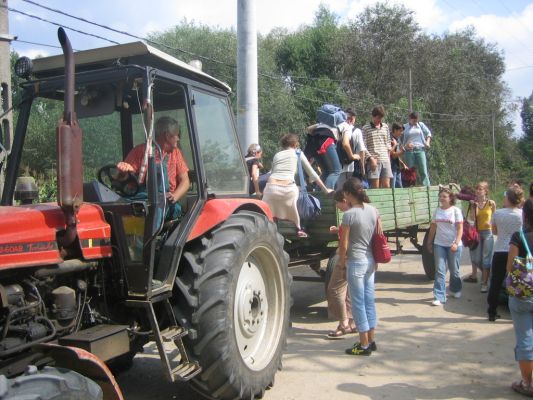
(483, 185)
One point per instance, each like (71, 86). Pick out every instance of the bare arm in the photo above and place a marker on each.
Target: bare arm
(255, 179)
(494, 229)
(348, 148)
(343, 244)
(458, 236)
(181, 189)
(431, 236)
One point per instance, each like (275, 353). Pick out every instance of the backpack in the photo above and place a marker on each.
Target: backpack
(330, 115)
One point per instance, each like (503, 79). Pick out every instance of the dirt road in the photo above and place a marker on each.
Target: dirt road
(424, 352)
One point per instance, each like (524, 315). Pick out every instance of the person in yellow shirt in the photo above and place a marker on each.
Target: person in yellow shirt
(481, 211)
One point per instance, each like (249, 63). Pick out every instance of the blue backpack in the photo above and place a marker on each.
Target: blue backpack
(330, 115)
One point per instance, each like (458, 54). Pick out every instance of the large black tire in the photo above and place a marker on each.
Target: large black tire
(50, 384)
(428, 260)
(235, 291)
(329, 270)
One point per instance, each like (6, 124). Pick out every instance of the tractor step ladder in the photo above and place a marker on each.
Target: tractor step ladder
(184, 369)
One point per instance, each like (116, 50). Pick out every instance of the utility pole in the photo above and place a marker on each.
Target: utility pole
(6, 121)
(410, 91)
(494, 148)
(247, 99)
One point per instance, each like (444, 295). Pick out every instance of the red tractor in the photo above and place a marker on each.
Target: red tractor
(86, 282)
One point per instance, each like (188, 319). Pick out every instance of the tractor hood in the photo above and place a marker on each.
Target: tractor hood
(28, 234)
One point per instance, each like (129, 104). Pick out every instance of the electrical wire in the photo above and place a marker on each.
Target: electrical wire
(279, 78)
(56, 24)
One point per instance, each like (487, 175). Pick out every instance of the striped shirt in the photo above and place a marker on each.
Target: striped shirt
(377, 141)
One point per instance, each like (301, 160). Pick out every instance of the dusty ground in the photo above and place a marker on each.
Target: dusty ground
(425, 352)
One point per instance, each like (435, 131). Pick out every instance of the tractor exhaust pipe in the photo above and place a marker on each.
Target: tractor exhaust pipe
(69, 151)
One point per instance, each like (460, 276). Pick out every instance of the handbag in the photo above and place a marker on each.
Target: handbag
(519, 282)
(408, 176)
(470, 236)
(308, 206)
(380, 247)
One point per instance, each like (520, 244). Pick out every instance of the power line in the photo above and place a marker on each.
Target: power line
(127, 33)
(233, 66)
(39, 44)
(57, 24)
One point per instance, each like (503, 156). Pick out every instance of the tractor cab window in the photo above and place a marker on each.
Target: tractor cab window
(223, 163)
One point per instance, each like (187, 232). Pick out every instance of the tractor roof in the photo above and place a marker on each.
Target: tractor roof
(136, 53)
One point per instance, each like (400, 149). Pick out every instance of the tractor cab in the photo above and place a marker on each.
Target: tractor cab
(120, 92)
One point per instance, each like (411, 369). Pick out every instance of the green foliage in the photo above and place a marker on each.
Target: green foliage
(457, 86)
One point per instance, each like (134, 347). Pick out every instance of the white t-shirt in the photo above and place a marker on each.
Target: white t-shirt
(507, 221)
(359, 144)
(446, 229)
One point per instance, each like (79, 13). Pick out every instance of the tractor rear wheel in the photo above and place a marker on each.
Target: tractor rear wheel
(235, 292)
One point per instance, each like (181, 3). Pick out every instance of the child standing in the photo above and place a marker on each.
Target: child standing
(339, 304)
(396, 151)
(481, 211)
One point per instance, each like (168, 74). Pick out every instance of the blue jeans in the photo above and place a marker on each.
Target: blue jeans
(331, 166)
(481, 256)
(418, 158)
(446, 258)
(396, 179)
(522, 313)
(360, 277)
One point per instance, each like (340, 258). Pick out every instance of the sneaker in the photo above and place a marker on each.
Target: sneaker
(436, 303)
(373, 346)
(357, 350)
(484, 288)
(456, 295)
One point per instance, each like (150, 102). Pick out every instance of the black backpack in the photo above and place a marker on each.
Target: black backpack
(341, 152)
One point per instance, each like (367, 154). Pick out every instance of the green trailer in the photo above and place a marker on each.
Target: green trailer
(405, 214)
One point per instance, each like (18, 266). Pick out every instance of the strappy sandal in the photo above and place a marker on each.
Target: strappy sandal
(470, 279)
(340, 332)
(522, 388)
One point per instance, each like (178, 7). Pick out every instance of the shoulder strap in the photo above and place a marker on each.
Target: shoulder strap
(524, 241)
(300, 171)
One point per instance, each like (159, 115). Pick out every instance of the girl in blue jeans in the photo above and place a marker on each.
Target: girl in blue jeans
(522, 308)
(358, 225)
(444, 241)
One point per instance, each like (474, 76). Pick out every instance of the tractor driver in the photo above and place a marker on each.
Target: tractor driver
(175, 169)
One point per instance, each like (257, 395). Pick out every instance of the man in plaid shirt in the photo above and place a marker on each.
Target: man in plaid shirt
(377, 140)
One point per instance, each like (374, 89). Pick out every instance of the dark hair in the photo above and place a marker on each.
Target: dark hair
(339, 196)
(414, 115)
(354, 188)
(514, 194)
(289, 140)
(397, 126)
(450, 193)
(378, 111)
(350, 112)
(527, 210)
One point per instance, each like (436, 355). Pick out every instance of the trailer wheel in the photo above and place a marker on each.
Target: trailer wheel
(428, 260)
(332, 261)
(238, 302)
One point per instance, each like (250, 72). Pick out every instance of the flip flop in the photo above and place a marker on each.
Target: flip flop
(340, 332)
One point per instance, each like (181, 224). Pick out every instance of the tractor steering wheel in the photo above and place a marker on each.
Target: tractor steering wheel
(124, 184)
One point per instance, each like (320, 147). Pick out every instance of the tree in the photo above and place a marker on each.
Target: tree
(526, 142)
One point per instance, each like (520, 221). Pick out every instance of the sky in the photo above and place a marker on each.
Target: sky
(505, 23)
